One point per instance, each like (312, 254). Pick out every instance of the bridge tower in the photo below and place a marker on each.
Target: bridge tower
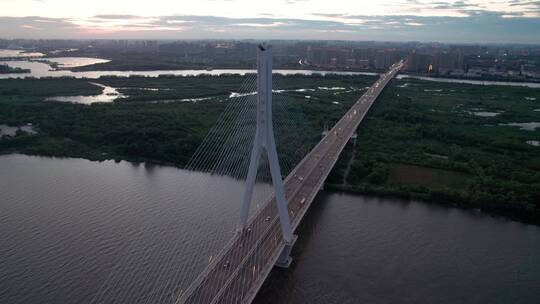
(265, 140)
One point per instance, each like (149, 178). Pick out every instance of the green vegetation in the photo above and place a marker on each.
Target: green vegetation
(153, 123)
(420, 140)
(6, 69)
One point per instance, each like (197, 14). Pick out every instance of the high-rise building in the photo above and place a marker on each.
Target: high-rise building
(328, 56)
(385, 58)
(450, 62)
(421, 63)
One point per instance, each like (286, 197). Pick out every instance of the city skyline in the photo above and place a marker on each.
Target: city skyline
(472, 21)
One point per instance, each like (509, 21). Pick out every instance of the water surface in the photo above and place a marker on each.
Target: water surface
(72, 62)
(109, 94)
(12, 131)
(527, 126)
(484, 113)
(19, 53)
(39, 69)
(357, 249)
(76, 231)
(468, 81)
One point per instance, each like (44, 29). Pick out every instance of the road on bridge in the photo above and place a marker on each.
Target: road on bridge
(237, 273)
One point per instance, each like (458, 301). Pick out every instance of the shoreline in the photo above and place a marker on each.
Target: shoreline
(88, 68)
(508, 211)
(183, 71)
(283, 72)
(493, 209)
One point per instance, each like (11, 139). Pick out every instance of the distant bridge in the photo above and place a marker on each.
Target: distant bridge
(266, 238)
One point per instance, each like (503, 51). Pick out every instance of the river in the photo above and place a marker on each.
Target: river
(76, 231)
(40, 69)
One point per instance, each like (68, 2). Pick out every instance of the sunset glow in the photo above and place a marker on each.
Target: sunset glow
(252, 19)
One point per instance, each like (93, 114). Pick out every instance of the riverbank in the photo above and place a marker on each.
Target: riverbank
(43, 70)
(6, 69)
(442, 143)
(110, 64)
(459, 144)
(526, 213)
(476, 79)
(121, 64)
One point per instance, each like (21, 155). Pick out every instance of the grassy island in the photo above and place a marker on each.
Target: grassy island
(6, 69)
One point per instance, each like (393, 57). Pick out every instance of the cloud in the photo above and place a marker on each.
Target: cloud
(29, 27)
(295, 1)
(478, 26)
(272, 24)
(525, 3)
(414, 23)
(25, 27)
(465, 8)
(117, 17)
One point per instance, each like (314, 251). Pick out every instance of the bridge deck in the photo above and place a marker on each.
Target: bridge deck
(238, 272)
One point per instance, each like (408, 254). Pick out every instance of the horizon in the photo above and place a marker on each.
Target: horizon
(464, 22)
(256, 40)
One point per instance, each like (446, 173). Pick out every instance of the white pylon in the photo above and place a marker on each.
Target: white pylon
(264, 138)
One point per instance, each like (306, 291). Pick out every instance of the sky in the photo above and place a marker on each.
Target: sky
(468, 21)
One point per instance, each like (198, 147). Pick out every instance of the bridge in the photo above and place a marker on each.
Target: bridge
(266, 238)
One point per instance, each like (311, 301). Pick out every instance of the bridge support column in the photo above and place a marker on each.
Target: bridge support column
(264, 139)
(285, 260)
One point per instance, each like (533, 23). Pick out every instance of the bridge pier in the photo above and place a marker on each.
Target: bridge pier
(284, 260)
(354, 137)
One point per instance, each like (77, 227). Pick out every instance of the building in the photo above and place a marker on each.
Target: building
(329, 56)
(421, 63)
(450, 63)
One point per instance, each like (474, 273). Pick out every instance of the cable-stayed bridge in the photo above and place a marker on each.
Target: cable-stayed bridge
(239, 201)
(266, 238)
